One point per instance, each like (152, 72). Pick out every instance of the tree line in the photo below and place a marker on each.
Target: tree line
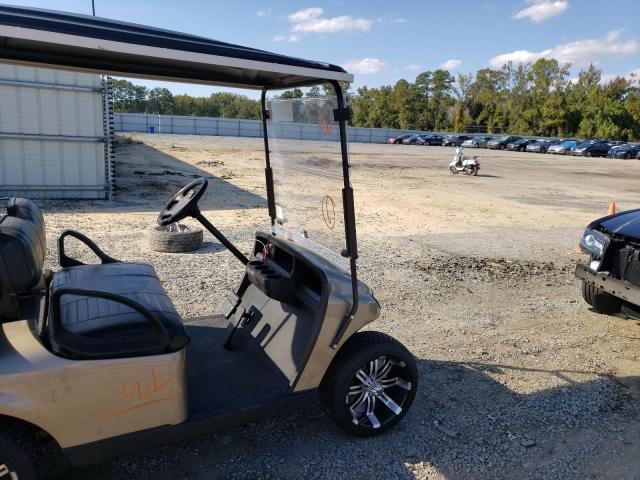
(130, 98)
(531, 99)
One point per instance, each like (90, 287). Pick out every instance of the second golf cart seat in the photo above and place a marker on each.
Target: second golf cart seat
(113, 309)
(22, 245)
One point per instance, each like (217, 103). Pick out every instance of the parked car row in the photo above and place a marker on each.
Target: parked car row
(417, 139)
(585, 148)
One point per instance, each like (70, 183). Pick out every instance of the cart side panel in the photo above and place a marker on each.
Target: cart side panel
(78, 402)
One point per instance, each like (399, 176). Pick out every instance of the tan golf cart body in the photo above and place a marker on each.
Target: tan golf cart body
(108, 403)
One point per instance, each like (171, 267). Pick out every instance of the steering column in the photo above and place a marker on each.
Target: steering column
(185, 204)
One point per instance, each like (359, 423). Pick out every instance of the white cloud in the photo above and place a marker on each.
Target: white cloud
(632, 75)
(392, 20)
(365, 66)
(285, 39)
(606, 78)
(580, 52)
(451, 64)
(305, 15)
(542, 10)
(263, 13)
(311, 20)
(414, 67)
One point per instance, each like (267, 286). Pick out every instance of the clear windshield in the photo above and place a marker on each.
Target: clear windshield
(307, 172)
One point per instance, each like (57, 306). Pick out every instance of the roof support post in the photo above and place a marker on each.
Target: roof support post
(271, 202)
(351, 250)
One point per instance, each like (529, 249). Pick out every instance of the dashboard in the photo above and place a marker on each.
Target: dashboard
(283, 273)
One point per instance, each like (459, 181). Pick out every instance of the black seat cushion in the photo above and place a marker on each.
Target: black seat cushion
(23, 245)
(102, 318)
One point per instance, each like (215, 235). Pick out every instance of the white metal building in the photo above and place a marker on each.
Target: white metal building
(55, 134)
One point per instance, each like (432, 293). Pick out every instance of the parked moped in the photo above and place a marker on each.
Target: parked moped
(470, 166)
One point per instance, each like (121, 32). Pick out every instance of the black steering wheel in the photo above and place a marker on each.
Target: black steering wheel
(184, 203)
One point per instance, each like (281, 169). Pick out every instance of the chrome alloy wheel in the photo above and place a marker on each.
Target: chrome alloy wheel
(378, 392)
(6, 474)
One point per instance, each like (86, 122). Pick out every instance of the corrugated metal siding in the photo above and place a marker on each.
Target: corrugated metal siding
(52, 134)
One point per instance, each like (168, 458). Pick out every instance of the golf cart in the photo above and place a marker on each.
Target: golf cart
(95, 360)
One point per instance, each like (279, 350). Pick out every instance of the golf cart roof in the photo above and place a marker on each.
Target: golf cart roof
(78, 42)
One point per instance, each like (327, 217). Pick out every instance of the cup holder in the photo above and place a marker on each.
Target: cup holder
(264, 270)
(274, 284)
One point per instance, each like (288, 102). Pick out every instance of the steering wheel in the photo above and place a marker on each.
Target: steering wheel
(184, 203)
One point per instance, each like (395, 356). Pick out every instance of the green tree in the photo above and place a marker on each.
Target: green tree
(160, 101)
(293, 93)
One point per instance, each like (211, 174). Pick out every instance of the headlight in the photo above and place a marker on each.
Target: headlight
(595, 244)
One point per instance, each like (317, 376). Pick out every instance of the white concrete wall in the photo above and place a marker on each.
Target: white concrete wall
(141, 122)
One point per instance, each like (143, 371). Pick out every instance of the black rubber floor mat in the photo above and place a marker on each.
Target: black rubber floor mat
(220, 381)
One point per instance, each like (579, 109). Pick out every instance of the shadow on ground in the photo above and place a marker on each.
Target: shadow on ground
(469, 419)
(464, 424)
(146, 178)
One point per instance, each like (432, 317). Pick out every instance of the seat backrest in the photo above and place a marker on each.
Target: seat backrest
(23, 246)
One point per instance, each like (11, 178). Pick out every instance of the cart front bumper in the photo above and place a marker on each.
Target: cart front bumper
(618, 288)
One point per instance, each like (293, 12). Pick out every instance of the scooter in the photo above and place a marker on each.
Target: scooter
(470, 166)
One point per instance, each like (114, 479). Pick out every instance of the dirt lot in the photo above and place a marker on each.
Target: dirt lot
(518, 378)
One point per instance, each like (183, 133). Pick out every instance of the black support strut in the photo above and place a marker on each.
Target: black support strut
(341, 116)
(271, 202)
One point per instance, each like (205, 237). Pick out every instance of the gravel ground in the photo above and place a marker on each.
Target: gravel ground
(518, 378)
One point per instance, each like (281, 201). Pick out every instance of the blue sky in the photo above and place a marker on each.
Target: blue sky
(382, 42)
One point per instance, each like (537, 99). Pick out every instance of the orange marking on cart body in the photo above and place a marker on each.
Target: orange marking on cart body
(140, 405)
(143, 393)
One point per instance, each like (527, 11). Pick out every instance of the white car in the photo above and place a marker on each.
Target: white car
(476, 142)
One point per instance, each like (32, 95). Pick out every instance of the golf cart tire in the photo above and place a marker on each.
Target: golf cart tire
(19, 450)
(163, 240)
(601, 302)
(357, 351)
(16, 459)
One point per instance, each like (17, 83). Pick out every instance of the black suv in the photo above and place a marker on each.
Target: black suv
(611, 279)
